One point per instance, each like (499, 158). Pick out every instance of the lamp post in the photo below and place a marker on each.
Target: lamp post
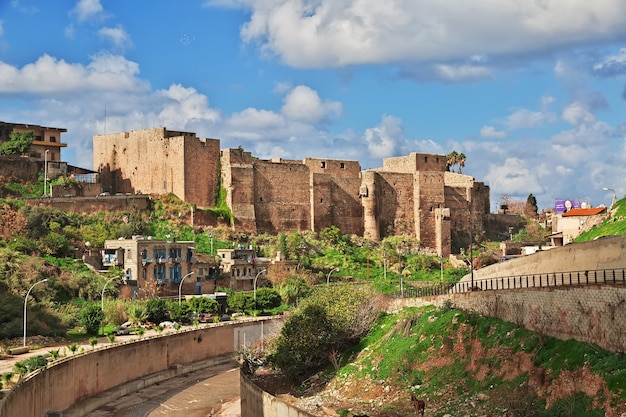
(254, 285)
(104, 288)
(470, 253)
(328, 277)
(45, 172)
(614, 196)
(25, 301)
(402, 281)
(441, 265)
(180, 287)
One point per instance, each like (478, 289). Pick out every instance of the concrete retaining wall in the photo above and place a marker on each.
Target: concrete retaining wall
(80, 377)
(606, 253)
(255, 402)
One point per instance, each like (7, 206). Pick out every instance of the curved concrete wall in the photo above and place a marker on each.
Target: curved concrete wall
(78, 378)
(606, 253)
(255, 402)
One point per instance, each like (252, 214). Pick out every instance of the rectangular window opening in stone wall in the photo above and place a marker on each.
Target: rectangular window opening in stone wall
(323, 165)
(342, 165)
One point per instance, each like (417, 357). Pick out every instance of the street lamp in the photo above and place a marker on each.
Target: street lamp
(180, 287)
(25, 301)
(331, 271)
(45, 172)
(254, 285)
(441, 265)
(104, 288)
(614, 196)
(402, 281)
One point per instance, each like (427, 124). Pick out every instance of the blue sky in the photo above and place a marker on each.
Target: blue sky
(533, 92)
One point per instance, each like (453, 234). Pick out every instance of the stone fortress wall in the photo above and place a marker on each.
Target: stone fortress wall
(158, 161)
(411, 195)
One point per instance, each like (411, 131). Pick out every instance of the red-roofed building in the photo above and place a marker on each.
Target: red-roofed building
(577, 220)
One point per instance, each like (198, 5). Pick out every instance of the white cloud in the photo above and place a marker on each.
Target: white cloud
(460, 73)
(578, 113)
(304, 104)
(490, 132)
(49, 75)
(117, 35)
(183, 106)
(382, 141)
(24, 9)
(612, 65)
(514, 176)
(524, 118)
(88, 9)
(348, 32)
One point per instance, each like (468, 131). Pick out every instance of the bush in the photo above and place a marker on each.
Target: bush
(267, 298)
(156, 310)
(91, 318)
(240, 301)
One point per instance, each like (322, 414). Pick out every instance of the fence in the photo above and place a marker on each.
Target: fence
(554, 279)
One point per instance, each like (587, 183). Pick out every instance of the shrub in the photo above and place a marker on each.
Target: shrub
(91, 318)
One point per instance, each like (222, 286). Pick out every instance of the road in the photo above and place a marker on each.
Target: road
(210, 392)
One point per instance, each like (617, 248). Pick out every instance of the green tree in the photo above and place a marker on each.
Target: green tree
(293, 289)
(157, 310)
(18, 143)
(531, 208)
(451, 160)
(91, 318)
(267, 298)
(461, 161)
(240, 301)
(179, 311)
(137, 313)
(303, 343)
(329, 321)
(203, 305)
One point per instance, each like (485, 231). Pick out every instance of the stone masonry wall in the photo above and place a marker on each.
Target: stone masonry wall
(594, 314)
(25, 169)
(158, 161)
(335, 202)
(282, 197)
(415, 162)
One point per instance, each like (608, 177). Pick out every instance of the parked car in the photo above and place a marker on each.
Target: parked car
(122, 330)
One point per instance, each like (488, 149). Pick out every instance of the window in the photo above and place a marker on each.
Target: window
(53, 138)
(323, 165)
(342, 165)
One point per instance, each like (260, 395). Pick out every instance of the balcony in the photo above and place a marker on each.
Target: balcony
(146, 261)
(162, 260)
(175, 259)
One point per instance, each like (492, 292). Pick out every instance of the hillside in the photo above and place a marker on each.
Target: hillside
(462, 364)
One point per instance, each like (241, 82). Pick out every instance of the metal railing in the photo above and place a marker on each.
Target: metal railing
(553, 279)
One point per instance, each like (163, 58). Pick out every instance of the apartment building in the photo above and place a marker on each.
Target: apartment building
(163, 268)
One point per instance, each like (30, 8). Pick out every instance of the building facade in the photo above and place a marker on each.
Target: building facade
(46, 145)
(164, 268)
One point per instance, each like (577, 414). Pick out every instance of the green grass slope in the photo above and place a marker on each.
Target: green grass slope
(465, 365)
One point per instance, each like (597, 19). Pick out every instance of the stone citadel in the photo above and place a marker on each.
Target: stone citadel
(413, 195)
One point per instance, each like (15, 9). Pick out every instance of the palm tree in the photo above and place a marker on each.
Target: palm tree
(452, 160)
(461, 161)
